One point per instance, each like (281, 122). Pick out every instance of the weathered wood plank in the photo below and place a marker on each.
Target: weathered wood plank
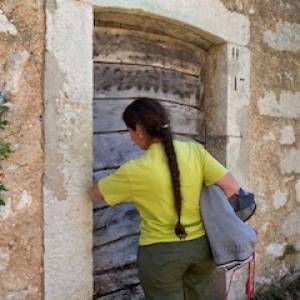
(184, 119)
(120, 253)
(115, 45)
(129, 81)
(130, 293)
(112, 150)
(154, 24)
(115, 280)
(114, 223)
(113, 215)
(101, 174)
(99, 205)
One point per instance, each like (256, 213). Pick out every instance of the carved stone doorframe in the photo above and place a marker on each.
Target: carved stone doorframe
(68, 129)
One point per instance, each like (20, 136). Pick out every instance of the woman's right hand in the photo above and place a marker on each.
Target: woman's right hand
(95, 193)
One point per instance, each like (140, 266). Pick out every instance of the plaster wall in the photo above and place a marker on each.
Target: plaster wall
(274, 132)
(22, 38)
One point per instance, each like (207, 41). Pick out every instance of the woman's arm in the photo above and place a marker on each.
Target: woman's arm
(228, 184)
(95, 193)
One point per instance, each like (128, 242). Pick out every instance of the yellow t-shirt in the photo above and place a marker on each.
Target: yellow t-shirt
(146, 182)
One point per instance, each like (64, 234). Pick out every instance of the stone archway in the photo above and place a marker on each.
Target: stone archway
(68, 118)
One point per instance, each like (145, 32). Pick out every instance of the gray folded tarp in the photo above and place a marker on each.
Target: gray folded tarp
(231, 240)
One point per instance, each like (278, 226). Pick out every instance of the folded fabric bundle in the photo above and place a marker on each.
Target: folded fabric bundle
(231, 240)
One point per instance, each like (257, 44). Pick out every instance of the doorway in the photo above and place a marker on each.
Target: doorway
(130, 62)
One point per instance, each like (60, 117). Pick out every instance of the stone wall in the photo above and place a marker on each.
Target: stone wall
(274, 132)
(22, 35)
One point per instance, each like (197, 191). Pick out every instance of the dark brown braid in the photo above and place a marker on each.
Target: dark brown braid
(155, 119)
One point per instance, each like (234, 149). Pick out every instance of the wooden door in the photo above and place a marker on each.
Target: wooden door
(127, 64)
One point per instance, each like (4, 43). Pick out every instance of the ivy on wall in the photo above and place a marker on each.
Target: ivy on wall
(5, 146)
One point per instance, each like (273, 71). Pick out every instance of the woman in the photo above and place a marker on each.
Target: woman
(174, 260)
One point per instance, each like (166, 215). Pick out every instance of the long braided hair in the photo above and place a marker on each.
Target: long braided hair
(155, 119)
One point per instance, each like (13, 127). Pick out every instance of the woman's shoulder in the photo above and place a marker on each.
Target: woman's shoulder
(136, 164)
(191, 149)
(187, 144)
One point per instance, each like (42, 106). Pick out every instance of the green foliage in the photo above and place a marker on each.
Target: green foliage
(3, 188)
(3, 109)
(274, 293)
(3, 123)
(284, 290)
(5, 147)
(5, 150)
(289, 250)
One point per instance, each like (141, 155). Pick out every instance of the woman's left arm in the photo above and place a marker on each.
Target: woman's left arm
(229, 185)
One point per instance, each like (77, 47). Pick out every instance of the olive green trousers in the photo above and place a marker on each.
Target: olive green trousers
(176, 271)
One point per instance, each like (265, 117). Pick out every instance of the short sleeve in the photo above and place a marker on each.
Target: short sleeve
(212, 170)
(116, 188)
